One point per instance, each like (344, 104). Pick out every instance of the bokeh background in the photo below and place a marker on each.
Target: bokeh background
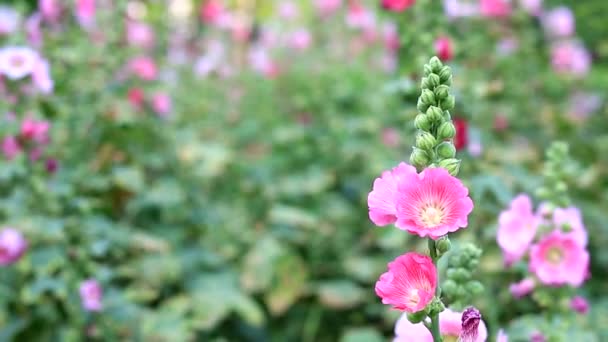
(207, 163)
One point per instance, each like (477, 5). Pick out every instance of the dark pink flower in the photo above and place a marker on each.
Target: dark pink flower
(397, 5)
(161, 103)
(470, 325)
(91, 295)
(144, 67)
(85, 13)
(51, 165)
(35, 130)
(211, 11)
(495, 8)
(580, 305)
(410, 283)
(450, 327)
(444, 49)
(136, 97)
(10, 147)
(12, 246)
(523, 288)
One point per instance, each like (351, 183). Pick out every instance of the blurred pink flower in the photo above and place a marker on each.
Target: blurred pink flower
(85, 13)
(444, 48)
(327, 7)
(569, 220)
(9, 20)
(161, 103)
(475, 148)
(35, 130)
(523, 288)
(409, 284)
(10, 147)
(359, 17)
(140, 34)
(517, 227)
(397, 5)
(382, 200)
(143, 67)
(32, 28)
(558, 259)
(12, 246)
(559, 22)
(42, 76)
(533, 7)
(50, 9)
(495, 8)
(260, 61)
(580, 305)
(391, 37)
(390, 137)
(570, 58)
(459, 8)
(288, 10)
(136, 97)
(450, 327)
(502, 336)
(17, 62)
(582, 105)
(537, 336)
(51, 165)
(300, 39)
(211, 10)
(91, 295)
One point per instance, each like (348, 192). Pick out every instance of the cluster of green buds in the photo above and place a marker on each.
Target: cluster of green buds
(460, 287)
(434, 139)
(557, 169)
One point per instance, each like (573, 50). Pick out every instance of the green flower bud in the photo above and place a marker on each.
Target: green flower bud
(452, 165)
(419, 158)
(425, 83)
(422, 107)
(425, 141)
(435, 64)
(441, 92)
(445, 74)
(443, 244)
(436, 306)
(427, 70)
(449, 287)
(446, 131)
(474, 287)
(447, 116)
(422, 122)
(434, 80)
(561, 187)
(417, 317)
(428, 97)
(435, 114)
(446, 150)
(448, 103)
(461, 275)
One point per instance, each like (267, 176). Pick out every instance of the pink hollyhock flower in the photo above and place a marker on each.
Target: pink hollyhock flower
(502, 336)
(41, 76)
(161, 103)
(17, 62)
(50, 9)
(32, 28)
(91, 295)
(558, 259)
(35, 130)
(580, 305)
(523, 288)
(359, 17)
(570, 58)
(494, 8)
(533, 7)
(569, 220)
(410, 283)
(9, 20)
(382, 200)
(300, 39)
(459, 9)
(391, 37)
(140, 34)
(516, 228)
(327, 7)
(444, 49)
(144, 68)
(85, 13)
(10, 147)
(12, 246)
(397, 5)
(211, 10)
(507, 46)
(450, 327)
(136, 97)
(501, 123)
(559, 22)
(288, 10)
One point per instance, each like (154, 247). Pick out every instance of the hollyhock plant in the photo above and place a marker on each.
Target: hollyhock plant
(91, 295)
(12, 246)
(522, 288)
(410, 283)
(359, 17)
(35, 130)
(559, 22)
(135, 96)
(9, 20)
(450, 327)
(570, 220)
(570, 58)
(444, 49)
(517, 228)
(140, 34)
(397, 5)
(494, 8)
(558, 259)
(17, 62)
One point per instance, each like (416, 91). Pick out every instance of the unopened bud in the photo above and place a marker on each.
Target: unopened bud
(449, 287)
(475, 287)
(417, 317)
(425, 83)
(428, 97)
(446, 130)
(452, 165)
(435, 64)
(441, 92)
(422, 122)
(445, 74)
(435, 114)
(470, 325)
(419, 158)
(443, 244)
(448, 103)
(425, 141)
(422, 107)
(427, 70)
(446, 150)
(434, 80)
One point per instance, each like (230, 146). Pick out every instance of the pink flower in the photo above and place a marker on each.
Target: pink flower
(161, 103)
(570, 58)
(327, 7)
(390, 137)
(136, 97)
(450, 327)
(41, 76)
(12, 246)
(495, 8)
(10, 147)
(558, 259)
(359, 17)
(288, 10)
(410, 283)
(50, 9)
(32, 28)
(9, 20)
(444, 49)
(471, 318)
(51, 165)
(35, 130)
(502, 336)
(397, 5)
(523, 288)
(300, 39)
(211, 10)
(459, 8)
(391, 37)
(516, 228)
(140, 34)
(580, 305)
(85, 13)
(569, 220)
(533, 7)
(91, 295)
(17, 62)
(537, 337)
(143, 67)
(382, 200)
(559, 22)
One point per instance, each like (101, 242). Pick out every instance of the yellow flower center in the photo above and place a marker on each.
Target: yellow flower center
(432, 216)
(450, 338)
(554, 255)
(17, 61)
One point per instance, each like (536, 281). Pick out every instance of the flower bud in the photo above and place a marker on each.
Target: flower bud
(425, 83)
(461, 274)
(422, 122)
(436, 306)
(425, 141)
(470, 325)
(449, 287)
(428, 97)
(435, 64)
(452, 165)
(561, 186)
(427, 70)
(446, 130)
(419, 158)
(422, 107)
(448, 103)
(445, 74)
(417, 317)
(474, 287)
(435, 114)
(446, 150)
(434, 80)
(441, 92)
(443, 244)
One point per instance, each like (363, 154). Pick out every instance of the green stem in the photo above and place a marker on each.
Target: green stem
(435, 315)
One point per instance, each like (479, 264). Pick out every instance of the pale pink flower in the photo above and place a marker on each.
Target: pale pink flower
(460, 8)
(161, 103)
(523, 288)
(35, 130)
(359, 17)
(32, 28)
(327, 7)
(10, 147)
(390, 137)
(580, 305)
(559, 22)
(144, 67)
(502, 336)
(41, 76)
(288, 10)
(516, 228)
(558, 259)
(260, 61)
(300, 39)
(409, 284)
(450, 327)
(140, 34)
(570, 58)
(17, 62)
(533, 7)
(397, 5)
(50, 9)
(495, 8)
(391, 37)
(9, 20)
(12, 246)
(569, 220)
(85, 13)
(91, 295)
(382, 200)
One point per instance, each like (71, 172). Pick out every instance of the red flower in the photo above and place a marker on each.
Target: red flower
(443, 48)
(462, 135)
(136, 97)
(397, 5)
